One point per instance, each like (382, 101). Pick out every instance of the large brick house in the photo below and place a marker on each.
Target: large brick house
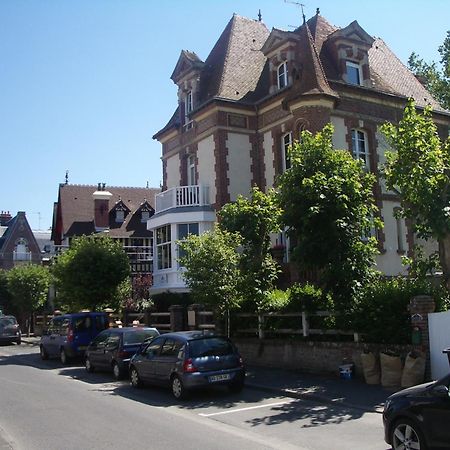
(240, 109)
(18, 244)
(118, 212)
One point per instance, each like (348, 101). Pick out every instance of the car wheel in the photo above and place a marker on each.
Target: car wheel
(117, 371)
(63, 357)
(134, 378)
(43, 353)
(178, 390)
(87, 364)
(407, 435)
(19, 341)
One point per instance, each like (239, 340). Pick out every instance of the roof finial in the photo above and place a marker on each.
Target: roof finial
(259, 16)
(67, 177)
(317, 11)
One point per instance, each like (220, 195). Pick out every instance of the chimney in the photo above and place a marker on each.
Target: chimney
(5, 217)
(101, 207)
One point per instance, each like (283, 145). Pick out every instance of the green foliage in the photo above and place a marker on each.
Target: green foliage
(307, 297)
(254, 219)
(211, 264)
(28, 288)
(436, 76)
(328, 206)
(381, 313)
(90, 273)
(5, 297)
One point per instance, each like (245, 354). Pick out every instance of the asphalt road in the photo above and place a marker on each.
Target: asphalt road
(47, 406)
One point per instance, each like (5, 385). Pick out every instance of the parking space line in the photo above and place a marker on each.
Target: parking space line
(230, 411)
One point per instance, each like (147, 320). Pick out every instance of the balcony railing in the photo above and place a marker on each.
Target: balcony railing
(182, 196)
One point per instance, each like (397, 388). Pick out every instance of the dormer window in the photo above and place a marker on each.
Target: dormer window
(354, 75)
(282, 73)
(120, 215)
(145, 215)
(188, 107)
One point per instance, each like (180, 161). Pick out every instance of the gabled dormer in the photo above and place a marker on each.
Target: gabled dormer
(349, 48)
(279, 50)
(186, 76)
(145, 211)
(119, 212)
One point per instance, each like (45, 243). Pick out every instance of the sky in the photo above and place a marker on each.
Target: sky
(85, 84)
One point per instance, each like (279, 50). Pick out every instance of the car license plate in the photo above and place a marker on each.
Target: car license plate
(215, 378)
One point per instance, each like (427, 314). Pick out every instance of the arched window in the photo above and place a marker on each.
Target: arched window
(21, 250)
(282, 73)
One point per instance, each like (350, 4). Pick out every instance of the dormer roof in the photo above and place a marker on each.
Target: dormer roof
(277, 38)
(354, 33)
(187, 62)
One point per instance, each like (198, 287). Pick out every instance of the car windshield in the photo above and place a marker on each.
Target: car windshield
(7, 321)
(210, 347)
(138, 337)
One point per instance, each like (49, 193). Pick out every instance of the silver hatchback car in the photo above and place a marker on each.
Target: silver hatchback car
(188, 360)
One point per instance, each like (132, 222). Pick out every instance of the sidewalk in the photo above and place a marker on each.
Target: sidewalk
(354, 393)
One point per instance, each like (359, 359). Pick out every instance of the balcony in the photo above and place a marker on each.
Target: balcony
(182, 196)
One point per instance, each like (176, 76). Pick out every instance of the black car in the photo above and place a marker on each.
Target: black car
(418, 417)
(187, 360)
(113, 348)
(10, 330)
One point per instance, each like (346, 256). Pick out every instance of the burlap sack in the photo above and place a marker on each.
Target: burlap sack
(414, 370)
(371, 368)
(391, 370)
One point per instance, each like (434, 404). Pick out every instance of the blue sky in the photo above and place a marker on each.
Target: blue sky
(84, 84)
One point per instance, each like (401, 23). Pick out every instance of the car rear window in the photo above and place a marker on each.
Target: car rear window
(215, 346)
(7, 321)
(138, 337)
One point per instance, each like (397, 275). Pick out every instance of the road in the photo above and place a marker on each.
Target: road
(47, 406)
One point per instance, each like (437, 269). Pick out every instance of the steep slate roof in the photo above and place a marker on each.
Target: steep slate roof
(76, 206)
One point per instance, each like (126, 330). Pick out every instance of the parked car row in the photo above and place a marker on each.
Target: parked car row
(183, 361)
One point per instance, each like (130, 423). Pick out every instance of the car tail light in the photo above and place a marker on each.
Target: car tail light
(123, 354)
(188, 366)
(69, 334)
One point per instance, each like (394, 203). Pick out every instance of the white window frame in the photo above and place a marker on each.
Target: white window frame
(21, 250)
(145, 215)
(190, 165)
(188, 107)
(360, 146)
(286, 142)
(164, 247)
(357, 67)
(120, 215)
(190, 230)
(282, 75)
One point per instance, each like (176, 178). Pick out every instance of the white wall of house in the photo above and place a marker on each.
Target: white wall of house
(173, 171)
(239, 162)
(340, 131)
(268, 159)
(206, 166)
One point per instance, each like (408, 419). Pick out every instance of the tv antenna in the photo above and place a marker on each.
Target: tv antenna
(298, 4)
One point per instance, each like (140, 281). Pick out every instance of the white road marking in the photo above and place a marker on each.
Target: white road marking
(230, 411)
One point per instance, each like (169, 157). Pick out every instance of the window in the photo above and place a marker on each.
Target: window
(188, 107)
(286, 142)
(185, 229)
(120, 215)
(360, 149)
(353, 73)
(164, 247)
(145, 215)
(400, 230)
(191, 179)
(21, 250)
(282, 75)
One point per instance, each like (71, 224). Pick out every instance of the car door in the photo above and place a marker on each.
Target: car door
(144, 362)
(437, 417)
(111, 347)
(52, 339)
(164, 363)
(97, 349)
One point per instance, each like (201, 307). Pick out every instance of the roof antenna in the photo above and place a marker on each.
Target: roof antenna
(67, 177)
(298, 4)
(259, 16)
(147, 184)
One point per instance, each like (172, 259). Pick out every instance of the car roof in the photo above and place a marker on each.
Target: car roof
(130, 329)
(191, 335)
(80, 314)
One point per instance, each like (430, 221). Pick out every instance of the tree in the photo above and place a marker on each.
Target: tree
(419, 171)
(5, 297)
(28, 288)
(329, 210)
(437, 79)
(211, 263)
(254, 219)
(89, 274)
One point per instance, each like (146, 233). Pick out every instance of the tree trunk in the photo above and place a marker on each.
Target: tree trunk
(444, 256)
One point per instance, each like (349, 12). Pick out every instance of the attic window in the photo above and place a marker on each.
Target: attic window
(282, 74)
(353, 73)
(120, 215)
(145, 215)
(188, 107)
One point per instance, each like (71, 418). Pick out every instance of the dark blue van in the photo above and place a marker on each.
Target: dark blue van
(68, 336)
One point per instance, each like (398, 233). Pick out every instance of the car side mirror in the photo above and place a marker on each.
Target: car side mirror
(441, 391)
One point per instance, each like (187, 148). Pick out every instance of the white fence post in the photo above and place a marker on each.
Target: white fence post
(260, 326)
(305, 324)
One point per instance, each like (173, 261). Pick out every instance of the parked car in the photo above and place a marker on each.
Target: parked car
(68, 336)
(10, 330)
(418, 417)
(112, 349)
(187, 360)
